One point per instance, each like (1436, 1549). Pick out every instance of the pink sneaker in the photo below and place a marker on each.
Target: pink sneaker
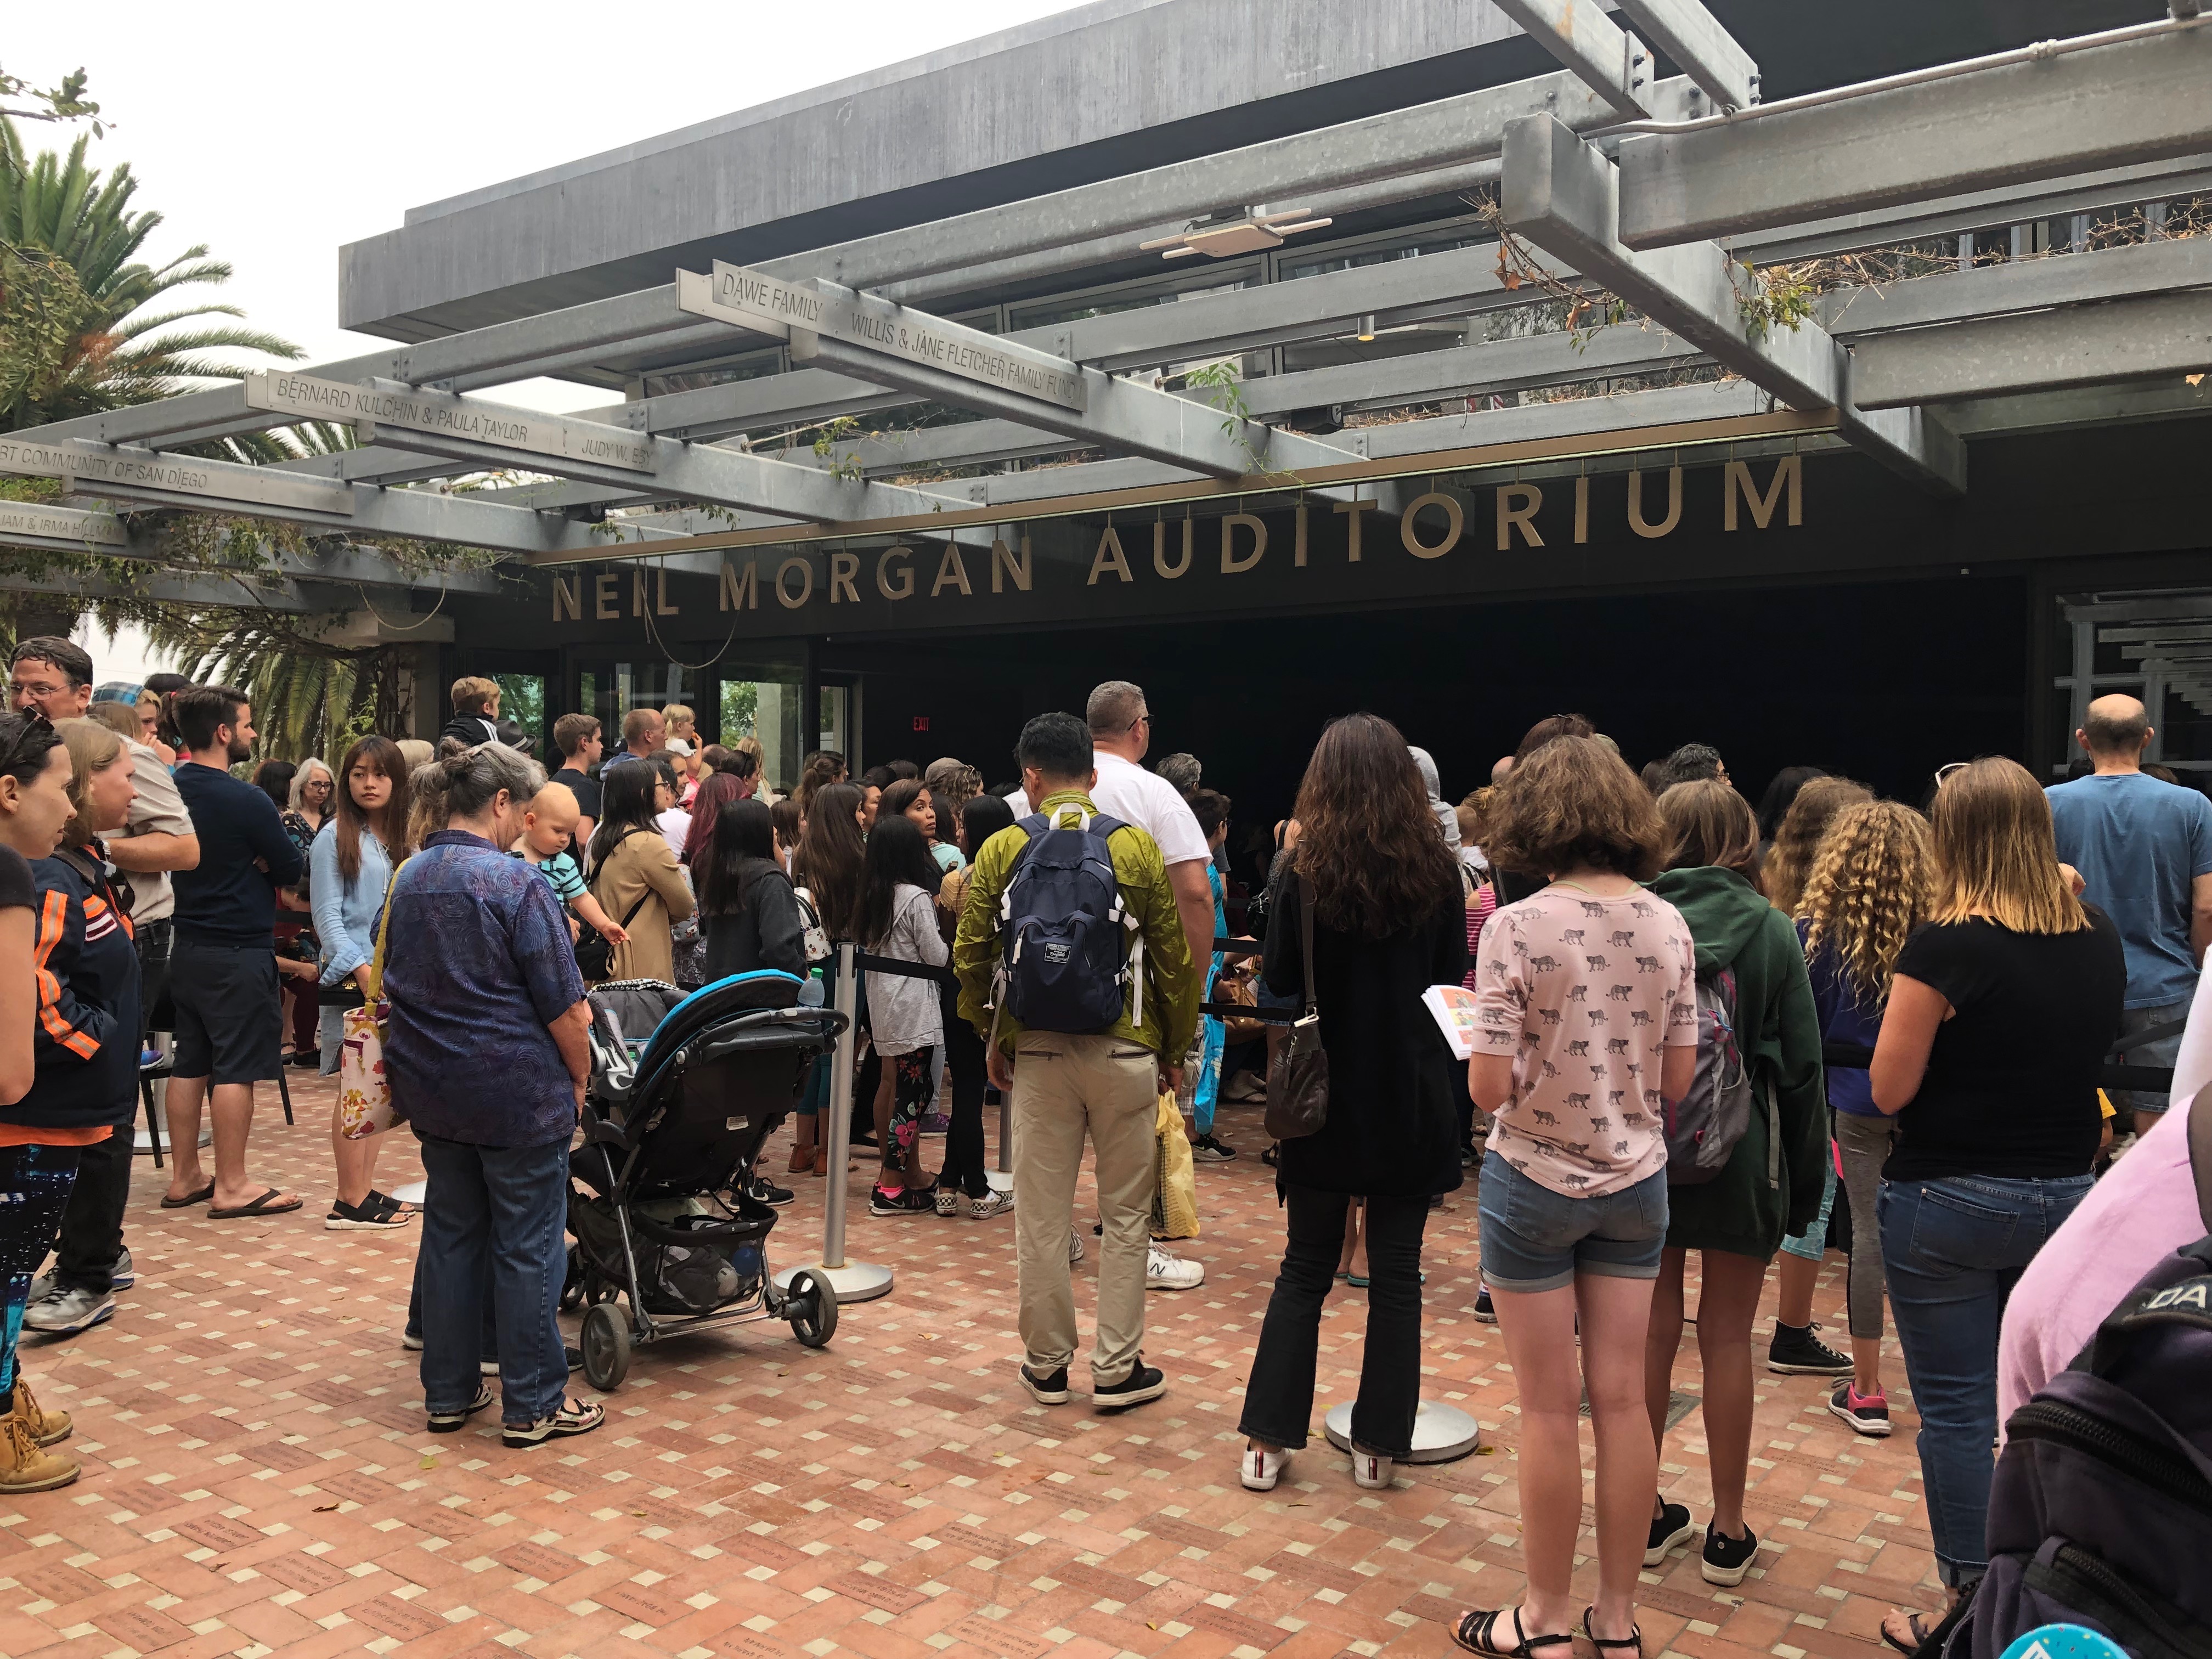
(1867, 1414)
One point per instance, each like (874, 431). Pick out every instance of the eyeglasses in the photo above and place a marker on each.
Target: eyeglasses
(1141, 719)
(1943, 772)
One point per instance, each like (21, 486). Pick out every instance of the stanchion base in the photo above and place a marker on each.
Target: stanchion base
(856, 1281)
(1442, 1434)
(142, 1147)
(413, 1193)
(1002, 1181)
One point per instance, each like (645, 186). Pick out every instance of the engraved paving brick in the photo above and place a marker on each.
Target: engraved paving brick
(537, 1561)
(647, 1606)
(867, 1586)
(218, 1532)
(310, 1575)
(282, 1456)
(146, 1629)
(401, 1620)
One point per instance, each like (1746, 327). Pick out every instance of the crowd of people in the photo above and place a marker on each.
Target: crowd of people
(1695, 1025)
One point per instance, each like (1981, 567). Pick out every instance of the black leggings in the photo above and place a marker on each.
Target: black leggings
(964, 1142)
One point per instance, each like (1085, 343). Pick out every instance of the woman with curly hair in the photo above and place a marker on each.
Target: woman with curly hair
(1866, 890)
(1798, 836)
(1371, 884)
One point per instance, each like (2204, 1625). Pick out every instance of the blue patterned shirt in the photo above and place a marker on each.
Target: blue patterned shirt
(477, 966)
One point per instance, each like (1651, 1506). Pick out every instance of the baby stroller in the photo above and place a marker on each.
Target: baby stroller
(673, 1121)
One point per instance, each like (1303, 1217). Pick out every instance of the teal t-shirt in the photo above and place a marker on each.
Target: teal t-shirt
(2139, 843)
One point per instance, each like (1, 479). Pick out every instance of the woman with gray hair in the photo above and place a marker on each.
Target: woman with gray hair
(488, 1056)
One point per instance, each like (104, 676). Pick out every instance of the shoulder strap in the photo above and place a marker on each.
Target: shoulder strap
(384, 926)
(2200, 1152)
(75, 857)
(1305, 937)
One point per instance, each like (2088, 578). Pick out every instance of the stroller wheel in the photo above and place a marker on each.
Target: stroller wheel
(606, 1347)
(812, 1308)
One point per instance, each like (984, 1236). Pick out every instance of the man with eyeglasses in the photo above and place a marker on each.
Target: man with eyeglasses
(1121, 732)
(92, 1262)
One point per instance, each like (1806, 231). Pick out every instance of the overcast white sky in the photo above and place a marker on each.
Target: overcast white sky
(276, 138)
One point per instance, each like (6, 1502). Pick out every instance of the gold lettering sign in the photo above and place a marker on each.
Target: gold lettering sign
(1108, 560)
(950, 570)
(904, 573)
(1409, 528)
(1638, 522)
(1517, 505)
(1232, 565)
(1789, 471)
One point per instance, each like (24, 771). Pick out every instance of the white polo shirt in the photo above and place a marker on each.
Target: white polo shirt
(1129, 792)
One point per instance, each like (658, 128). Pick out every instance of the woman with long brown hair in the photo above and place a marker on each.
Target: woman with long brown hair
(1372, 884)
(1782, 875)
(830, 870)
(350, 867)
(2001, 1009)
(1776, 1177)
(1868, 889)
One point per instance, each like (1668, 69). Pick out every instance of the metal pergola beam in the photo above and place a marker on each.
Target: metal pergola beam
(1705, 51)
(2056, 411)
(1595, 50)
(2072, 279)
(2131, 101)
(2160, 335)
(1566, 197)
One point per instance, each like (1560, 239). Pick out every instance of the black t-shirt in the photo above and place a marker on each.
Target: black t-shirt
(17, 891)
(2011, 1086)
(586, 791)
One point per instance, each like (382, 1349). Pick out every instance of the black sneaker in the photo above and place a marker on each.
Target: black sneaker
(768, 1192)
(1796, 1351)
(454, 1422)
(907, 1200)
(1670, 1528)
(1727, 1560)
(1046, 1390)
(1207, 1149)
(1485, 1313)
(1142, 1383)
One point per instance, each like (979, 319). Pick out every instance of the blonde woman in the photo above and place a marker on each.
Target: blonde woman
(1868, 887)
(2001, 1010)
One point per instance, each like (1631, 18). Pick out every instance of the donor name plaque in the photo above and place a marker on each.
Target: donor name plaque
(93, 469)
(392, 416)
(794, 311)
(32, 523)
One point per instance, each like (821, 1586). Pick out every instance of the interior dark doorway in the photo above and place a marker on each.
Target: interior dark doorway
(1884, 682)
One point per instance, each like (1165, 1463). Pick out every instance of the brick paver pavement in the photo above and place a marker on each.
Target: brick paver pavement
(258, 1478)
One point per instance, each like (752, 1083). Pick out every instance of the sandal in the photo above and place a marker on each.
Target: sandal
(390, 1205)
(1633, 1639)
(189, 1199)
(259, 1206)
(1474, 1630)
(1919, 1623)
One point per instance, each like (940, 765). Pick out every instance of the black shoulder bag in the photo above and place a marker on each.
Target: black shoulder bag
(1298, 1081)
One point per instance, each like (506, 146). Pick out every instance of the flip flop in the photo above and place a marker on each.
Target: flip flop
(189, 1199)
(1921, 1626)
(259, 1206)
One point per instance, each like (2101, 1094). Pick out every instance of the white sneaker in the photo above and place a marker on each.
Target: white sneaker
(948, 1200)
(1261, 1468)
(990, 1204)
(1371, 1472)
(1074, 1247)
(1166, 1272)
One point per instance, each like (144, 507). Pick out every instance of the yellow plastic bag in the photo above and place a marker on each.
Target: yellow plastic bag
(1174, 1200)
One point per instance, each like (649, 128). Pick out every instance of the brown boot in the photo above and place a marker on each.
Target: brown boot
(46, 1427)
(25, 1466)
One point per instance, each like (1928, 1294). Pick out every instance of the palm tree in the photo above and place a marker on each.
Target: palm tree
(115, 348)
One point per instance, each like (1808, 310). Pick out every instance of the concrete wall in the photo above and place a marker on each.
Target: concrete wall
(1107, 89)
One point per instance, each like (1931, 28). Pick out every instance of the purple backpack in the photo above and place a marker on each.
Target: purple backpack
(2101, 1510)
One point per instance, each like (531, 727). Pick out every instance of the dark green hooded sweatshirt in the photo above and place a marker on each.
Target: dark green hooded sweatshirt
(1741, 1211)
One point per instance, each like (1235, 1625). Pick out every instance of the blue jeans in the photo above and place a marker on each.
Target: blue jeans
(2164, 1052)
(1952, 1250)
(495, 1214)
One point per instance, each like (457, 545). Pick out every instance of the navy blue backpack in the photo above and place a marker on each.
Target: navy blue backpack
(1070, 954)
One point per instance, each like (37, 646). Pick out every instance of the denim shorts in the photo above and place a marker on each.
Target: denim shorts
(1536, 1239)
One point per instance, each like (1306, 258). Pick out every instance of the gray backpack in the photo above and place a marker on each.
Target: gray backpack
(1702, 1128)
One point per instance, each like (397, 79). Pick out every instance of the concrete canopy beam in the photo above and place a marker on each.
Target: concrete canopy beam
(1564, 197)
(2159, 335)
(2132, 100)
(2118, 273)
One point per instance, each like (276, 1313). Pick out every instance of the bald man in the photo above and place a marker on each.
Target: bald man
(2144, 849)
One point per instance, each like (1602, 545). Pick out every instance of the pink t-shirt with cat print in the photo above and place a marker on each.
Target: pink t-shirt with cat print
(1583, 992)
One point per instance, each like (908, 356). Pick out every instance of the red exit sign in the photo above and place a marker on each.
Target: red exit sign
(921, 722)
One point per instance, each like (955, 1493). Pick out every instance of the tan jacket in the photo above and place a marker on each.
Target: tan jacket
(643, 866)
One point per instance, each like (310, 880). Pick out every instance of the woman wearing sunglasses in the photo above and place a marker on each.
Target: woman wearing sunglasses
(2000, 1012)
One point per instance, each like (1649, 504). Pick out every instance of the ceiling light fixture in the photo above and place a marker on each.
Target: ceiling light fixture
(1225, 239)
(1366, 328)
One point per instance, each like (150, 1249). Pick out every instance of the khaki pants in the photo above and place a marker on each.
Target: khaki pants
(1064, 1085)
